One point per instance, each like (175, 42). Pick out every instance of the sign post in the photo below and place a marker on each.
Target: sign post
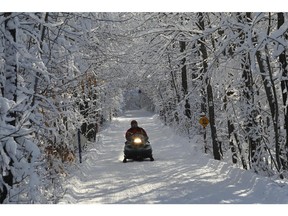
(204, 121)
(79, 146)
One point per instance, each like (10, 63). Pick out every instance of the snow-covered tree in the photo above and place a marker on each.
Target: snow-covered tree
(235, 57)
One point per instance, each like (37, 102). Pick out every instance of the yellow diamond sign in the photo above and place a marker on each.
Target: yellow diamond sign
(204, 121)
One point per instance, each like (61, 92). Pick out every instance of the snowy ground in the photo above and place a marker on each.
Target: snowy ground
(179, 174)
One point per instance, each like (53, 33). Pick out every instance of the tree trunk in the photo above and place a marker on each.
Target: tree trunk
(174, 89)
(203, 50)
(244, 164)
(250, 110)
(230, 134)
(216, 147)
(36, 79)
(270, 90)
(232, 145)
(284, 86)
(251, 113)
(173, 80)
(184, 80)
(204, 53)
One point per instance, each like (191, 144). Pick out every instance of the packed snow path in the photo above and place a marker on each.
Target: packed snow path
(178, 175)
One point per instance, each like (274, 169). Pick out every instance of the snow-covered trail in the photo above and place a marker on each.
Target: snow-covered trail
(178, 175)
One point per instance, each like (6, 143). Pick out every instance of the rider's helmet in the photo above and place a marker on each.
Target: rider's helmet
(134, 123)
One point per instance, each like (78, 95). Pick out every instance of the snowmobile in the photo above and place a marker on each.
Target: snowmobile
(137, 149)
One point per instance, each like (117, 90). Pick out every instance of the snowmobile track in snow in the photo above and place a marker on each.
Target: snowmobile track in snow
(180, 174)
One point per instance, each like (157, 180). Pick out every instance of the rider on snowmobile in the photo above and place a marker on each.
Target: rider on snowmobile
(135, 130)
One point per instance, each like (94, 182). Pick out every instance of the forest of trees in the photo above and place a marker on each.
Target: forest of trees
(64, 72)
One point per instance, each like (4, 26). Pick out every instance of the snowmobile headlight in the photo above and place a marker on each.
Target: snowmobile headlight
(137, 140)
